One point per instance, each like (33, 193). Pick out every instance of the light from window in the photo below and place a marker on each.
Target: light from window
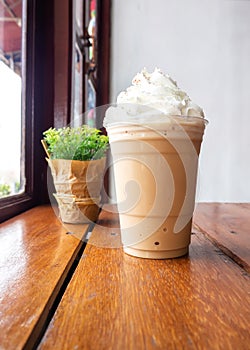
(11, 180)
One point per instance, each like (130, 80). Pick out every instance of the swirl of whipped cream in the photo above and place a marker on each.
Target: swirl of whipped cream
(159, 91)
(151, 98)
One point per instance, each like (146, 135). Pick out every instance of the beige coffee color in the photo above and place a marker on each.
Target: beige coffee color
(155, 170)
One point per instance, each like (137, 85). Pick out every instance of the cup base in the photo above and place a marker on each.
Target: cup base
(156, 254)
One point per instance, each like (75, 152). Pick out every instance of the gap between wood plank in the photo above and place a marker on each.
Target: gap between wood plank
(45, 318)
(41, 326)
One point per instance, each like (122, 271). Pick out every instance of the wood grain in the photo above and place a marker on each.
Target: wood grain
(116, 301)
(227, 225)
(35, 256)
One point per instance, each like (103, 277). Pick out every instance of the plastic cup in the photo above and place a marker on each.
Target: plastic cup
(155, 173)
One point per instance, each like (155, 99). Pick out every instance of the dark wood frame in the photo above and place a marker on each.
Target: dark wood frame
(103, 69)
(12, 205)
(47, 91)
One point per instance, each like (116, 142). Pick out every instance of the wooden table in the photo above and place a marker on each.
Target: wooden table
(57, 292)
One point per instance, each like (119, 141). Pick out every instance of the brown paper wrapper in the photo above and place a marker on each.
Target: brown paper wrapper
(78, 185)
(73, 211)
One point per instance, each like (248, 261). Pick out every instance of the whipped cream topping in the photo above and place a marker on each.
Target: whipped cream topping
(152, 98)
(159, 91)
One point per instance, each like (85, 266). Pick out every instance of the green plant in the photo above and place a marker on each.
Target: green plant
(17, 187)
(81, 143)
(4, 190)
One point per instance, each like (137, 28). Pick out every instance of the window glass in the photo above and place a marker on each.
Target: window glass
(84, 62)
(11, 166)
(90, 117)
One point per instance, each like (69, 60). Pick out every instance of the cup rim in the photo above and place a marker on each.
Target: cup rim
(185, 118)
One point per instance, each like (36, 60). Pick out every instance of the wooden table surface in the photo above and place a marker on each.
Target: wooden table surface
(36, 255)
(115, 301)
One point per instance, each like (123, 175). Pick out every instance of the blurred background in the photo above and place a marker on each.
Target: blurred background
(205, 47)
(61, 59)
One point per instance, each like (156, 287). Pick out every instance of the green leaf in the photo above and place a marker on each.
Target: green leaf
(81, 143)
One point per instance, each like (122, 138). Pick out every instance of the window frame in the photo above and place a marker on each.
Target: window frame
(33, 96)
(14, 204)
(47, 68)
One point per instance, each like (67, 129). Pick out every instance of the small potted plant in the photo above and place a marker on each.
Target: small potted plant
(76, 157)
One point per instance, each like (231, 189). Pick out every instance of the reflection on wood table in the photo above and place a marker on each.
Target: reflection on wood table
(115, 301)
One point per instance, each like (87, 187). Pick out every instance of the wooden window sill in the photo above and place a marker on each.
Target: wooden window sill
(36, 256)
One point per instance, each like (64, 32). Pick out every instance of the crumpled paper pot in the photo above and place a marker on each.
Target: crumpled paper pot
(78, 185)
(80, 178)
(77, 211)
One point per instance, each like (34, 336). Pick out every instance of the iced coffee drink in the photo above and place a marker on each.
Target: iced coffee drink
(155, 134)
